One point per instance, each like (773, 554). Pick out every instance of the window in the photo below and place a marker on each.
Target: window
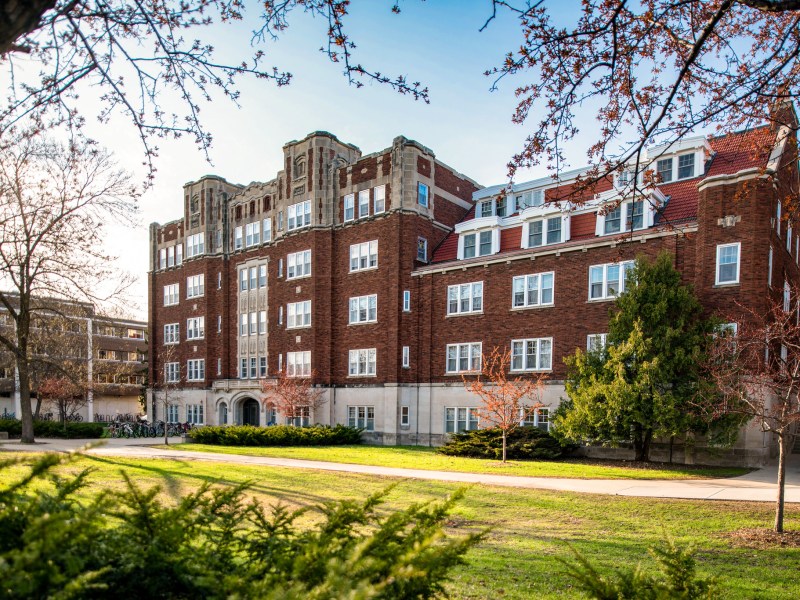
(172, 372)
(194, 414)
(364, 309)
(298, 314)
(778, 218)
(635, 218)
(280, 267)
(162, 263)
(379, 200)
(465, 298)
(136, 334)
(242, 368)
(172, 414)
(267, 230)
(253, 277)
(300, 418)
(280, 315)
(532, 354)
(406, 357)
(769, 267)
(624, 178)
(195, 328)
(362, 362)
(253, 234)
(362, 417)
(253, 319)
(553, 230)
(596, 342)
(464, 358)
(298, 264)
(405, 419)
(171, 294)
(262, 322)
(787, 297)
(349, 207)
(243, 324)
(171, 256)
(532, 290)
(538, 418)
(298, 364)
(219, 323)
(238, 238)
(179, 254)
(364, 256)
(219, 366)
(243, 280)
(172, 333)
(422, 194)
(728, 263)
(196, 369)
(299, 166)
(458, 419)
(664, 169)
(685, 166)
(363, 203)
(253, 369)
(280, 220)
(609, 280)
(195, 286)
(477, 244)
(219, 280)
(547, 231)
(406, 300)
(613, 220)
(298, 215)
(195, 245)
(789, 238)
(262, 366)
(422, 249)
(262, 276)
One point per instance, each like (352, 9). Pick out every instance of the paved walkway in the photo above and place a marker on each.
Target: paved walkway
(758, 486)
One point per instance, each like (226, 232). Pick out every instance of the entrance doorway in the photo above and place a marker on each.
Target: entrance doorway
(250, 412)
(223, 414)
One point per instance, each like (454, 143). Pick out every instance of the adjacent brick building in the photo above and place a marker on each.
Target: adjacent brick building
(388, 275)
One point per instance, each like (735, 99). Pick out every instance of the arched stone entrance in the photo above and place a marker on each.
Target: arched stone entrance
(222, 413)
(251, 412)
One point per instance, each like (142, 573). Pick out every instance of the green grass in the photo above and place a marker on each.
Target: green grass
(421, 457)
(531, 528)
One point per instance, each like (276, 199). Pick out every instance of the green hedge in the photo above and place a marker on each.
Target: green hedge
(277, 435)
(54, 429)
(523, 442)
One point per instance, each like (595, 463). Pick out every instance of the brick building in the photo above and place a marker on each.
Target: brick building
(388, 275)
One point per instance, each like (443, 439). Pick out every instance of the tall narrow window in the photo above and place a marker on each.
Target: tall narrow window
(349, 207)
(728, 263)
(406, 300)
(422, 194)
(379, 202)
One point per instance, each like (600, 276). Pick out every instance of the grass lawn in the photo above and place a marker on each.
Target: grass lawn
(422, 457)
(531, 528)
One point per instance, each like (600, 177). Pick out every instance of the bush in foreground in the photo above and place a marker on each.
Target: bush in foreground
(523, 442)
(277, 435)
(54, 429)
(213, 544)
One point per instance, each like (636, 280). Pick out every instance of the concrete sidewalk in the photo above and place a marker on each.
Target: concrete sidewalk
(758, 486)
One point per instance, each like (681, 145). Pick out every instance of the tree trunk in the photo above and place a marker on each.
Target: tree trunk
(504, 445)
(164, 419)
(783, 447)
(25, 402)
(641, 445)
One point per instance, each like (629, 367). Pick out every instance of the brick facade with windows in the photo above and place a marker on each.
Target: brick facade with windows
(719, 199)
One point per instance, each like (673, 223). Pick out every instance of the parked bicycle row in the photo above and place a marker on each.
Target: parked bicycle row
(135, 430)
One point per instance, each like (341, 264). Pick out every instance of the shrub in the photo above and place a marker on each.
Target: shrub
(277, 435)
(54, 429)
(213, 544)
(523, 442)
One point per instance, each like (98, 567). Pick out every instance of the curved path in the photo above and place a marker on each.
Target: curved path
(758, 486)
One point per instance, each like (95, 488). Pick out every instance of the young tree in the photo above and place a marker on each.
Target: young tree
(505, 401)
(167, 386)
(65, 394)
(756, 372)
(642, 385)
(54, 203)
(293, 397)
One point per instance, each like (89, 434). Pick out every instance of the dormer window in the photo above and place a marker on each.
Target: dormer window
(624, 178)
(686, 166)
(613, 220)
(545, 231)
(626, 216)
(530, 199)
(498, 206)
(477, 244)
(664, 169)
(636, 215)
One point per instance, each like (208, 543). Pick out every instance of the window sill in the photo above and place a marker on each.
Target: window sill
(598, 300)
(297, 277)
(362, 323)
(296, 328)
(375, 268)
(458, 373)
(532, 307)
(550, 370)
(728, 285)
(361, 376)
(464, 314)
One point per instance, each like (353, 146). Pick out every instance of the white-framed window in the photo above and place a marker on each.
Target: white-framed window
(539, 417)
(379, 200)
(362, 417)
(778, 208)
(219, 366)
(535, 354)
(298, 364)
(219, 323)
(787, 297)
(686, 166)
(664, 169)
(280, 315)
(769, 267)
(422, 195)
(179, 254)
(349, 207)
(298, 215)
(195, 244)
(243, 324)
(405, 416)
(266, 228)
(728, 329)
(253, 277)
(464, 358)
(172, 294)
(728, 263)
(173, 415)
(196, 369)
(162, 262)
(262, 276)
(253, 319)
(532, 290)
(298, 264)
(458, 419)
(262, 366)
(195, 286)
(300, 418)
(195, 328)
(362, 362)
(364, 309)
(238, 238)
(242, 368)
(364, 256)
(262, 322)
(789, 238)
(219, 280)
(480, 243)
(280, 220)
(609, 280)
(596, 342)
(172, 372)
(194, 414)
(363, 203)
(529, 199)
(545, 231)
(298, 314)
(613, 220)
(253, 367)
(171, 256)
(406, 300)
(172, 333)
(422, 249)
(252, 234)
(465, 298)
(406, 357)
(243, 279)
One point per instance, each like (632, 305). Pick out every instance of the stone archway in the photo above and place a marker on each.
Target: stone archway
(251, 412)
(222, 413)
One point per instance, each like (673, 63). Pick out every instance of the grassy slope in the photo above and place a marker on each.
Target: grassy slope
(530, 527)
(421, 457)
